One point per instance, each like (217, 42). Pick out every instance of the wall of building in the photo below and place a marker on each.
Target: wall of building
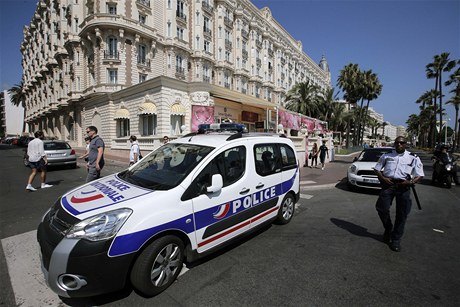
(87, 59)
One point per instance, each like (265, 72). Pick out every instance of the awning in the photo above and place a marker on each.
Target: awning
(147, 108)
(177, 109)
(121, 114)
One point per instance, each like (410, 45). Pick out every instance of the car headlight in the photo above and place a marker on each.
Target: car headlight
(100, 227)
(353, 169)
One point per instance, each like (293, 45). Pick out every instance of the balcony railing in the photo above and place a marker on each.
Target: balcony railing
(207, 7)
(111, 55)
(228, 22)
(180, 72)
(270, 52)
(228, 44)
(143, 62)
(181, 17)
(206, 79)
(258, 43)
(244, 33)
(259, 62)
(144, 2)
(227, 85)
(207, 31)
(245, 54)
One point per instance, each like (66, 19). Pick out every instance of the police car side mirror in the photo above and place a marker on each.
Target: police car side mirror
(216, 184)
(355, 159)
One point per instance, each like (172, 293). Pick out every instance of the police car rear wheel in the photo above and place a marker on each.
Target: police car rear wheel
(286, 211)
(158, 265)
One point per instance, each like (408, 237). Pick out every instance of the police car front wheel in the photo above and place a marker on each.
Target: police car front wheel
(158, 265)
(286, 211)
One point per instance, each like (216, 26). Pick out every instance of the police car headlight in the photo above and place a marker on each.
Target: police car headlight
(100, 227)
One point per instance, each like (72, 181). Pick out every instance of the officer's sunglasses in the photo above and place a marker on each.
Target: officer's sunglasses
(400, 142)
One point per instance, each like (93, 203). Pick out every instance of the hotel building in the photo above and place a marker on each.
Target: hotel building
(158, 67)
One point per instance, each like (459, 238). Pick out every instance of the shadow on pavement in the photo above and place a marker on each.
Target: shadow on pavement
(355, 229)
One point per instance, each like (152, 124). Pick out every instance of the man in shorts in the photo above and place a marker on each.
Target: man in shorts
(37, 161)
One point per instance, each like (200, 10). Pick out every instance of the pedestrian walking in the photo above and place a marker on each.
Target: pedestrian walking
(135, 151)
(314, 155)
(401, 169)
(323, 152)
(165, 139)
(96, 154)
(37, 161)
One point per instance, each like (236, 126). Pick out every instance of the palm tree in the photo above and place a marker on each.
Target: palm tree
(426, 127)
(427, 99)
(337, 116)
(455, 100)
(347, 82)
(325, 101)
(413, 126)
(372, 90)
(18, 99)
(373, 124)
(441, 64)
(302, 98)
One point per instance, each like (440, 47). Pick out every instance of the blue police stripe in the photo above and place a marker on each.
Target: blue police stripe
(132, 242)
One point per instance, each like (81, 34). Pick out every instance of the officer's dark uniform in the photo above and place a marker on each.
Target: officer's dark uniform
(397, 167)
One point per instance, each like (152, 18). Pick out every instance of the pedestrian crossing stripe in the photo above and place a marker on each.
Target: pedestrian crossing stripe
(307, 182)
(306, 196)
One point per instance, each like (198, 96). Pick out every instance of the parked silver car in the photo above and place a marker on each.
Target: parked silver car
(361, 172)
(58, 153)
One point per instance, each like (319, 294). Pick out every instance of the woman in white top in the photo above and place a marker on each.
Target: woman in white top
(135, 151)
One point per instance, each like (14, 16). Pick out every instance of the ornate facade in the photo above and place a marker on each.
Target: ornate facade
(158, 67)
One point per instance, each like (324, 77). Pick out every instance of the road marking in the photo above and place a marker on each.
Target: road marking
(24, 267)
(438, 230)
(306, 196)
(307, 182)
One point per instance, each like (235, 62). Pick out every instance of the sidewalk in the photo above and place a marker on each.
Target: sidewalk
(310, 178)
(333, 173)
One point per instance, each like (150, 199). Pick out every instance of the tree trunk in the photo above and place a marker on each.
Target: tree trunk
(440, 108)
(457, 129)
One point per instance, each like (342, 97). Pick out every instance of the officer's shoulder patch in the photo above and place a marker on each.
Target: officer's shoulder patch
(413, 154)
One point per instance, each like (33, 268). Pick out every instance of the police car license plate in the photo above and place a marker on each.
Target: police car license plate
(371, 180)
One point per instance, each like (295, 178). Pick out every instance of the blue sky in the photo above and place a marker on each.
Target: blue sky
(396, 39)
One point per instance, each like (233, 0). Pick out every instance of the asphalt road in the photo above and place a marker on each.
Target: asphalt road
(330, 254)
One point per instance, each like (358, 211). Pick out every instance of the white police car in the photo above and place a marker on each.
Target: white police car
(183, 199)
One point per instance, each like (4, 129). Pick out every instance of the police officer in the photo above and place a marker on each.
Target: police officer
(396, 179)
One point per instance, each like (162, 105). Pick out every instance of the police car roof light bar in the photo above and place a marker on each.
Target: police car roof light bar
(205, 128)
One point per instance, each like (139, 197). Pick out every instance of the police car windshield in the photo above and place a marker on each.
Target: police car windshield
(166, 167)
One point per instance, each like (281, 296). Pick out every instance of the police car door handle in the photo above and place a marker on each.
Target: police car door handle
(260, 185)
(244, 191)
